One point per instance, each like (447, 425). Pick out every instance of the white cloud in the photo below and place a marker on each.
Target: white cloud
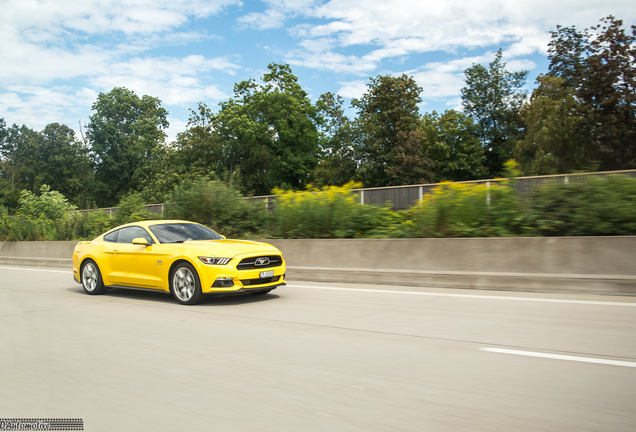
(38, 106)
(444, 80)
(177, 126)
(62, 39)
(332, 61)
(277, 12)
(269, 19)
(383, 30)
(59, 54)
(104, 16)
(174, 81)
(353, 89)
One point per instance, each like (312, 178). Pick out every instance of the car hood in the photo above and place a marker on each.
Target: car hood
(231, 248)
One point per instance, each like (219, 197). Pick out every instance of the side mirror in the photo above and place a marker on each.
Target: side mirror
(140, 241)
(224, 238)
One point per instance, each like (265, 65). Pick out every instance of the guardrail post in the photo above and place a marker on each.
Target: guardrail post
(488, 194)
(361, 197)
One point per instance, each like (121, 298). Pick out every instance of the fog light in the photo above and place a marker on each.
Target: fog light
(223, 282)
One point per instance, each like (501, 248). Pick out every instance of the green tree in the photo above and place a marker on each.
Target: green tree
(65, 165)
(556, 140)
(125, 132)
(493, 97)
(18, 163)
(199, 148)
(8, 195)
(163, 168)
(388, 108)
(268, 132)
(452, 142)
(3, 131)
(337, 164)
(411, 162)
(599, 65)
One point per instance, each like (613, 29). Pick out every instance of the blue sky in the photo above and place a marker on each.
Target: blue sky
(57, 55)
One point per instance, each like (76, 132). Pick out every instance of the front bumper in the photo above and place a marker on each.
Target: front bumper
(244, 281)
(234, 290)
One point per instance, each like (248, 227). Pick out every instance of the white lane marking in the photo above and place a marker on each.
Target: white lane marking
(561, 357)
(36, 269)
(473, 296)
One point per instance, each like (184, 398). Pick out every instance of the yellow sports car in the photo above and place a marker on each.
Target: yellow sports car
(184, 258)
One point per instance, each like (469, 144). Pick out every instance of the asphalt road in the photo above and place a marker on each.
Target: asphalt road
(316, 357)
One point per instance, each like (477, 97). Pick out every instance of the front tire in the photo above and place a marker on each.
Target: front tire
(185, 285)
(92, 278)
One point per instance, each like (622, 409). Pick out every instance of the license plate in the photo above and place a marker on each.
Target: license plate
(267, 274)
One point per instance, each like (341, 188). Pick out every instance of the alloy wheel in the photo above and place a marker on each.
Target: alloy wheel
(183, 284)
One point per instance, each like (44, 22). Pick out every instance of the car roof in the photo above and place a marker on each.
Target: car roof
(148, 223)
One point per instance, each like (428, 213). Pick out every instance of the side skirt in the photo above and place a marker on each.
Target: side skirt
(136, 288)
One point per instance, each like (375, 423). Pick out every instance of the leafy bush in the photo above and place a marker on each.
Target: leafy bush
(49, 204)
(217, 205)
(598, 207)
(330, 212)
(605, 206)
(131, 209)
(83, 225)
(25, 228)
(468, 210)
(36, 217)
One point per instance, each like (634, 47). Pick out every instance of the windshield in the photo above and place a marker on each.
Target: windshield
(180, 232)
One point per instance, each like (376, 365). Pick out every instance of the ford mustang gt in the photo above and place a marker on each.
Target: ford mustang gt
(184, 258)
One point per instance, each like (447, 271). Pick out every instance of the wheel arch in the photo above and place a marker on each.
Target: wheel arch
(174, 265)
(82, 262)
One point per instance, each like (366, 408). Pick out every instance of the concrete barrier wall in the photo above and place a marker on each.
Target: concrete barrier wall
(55, 254)
(597, 265)
(558, 255)
(601, 265)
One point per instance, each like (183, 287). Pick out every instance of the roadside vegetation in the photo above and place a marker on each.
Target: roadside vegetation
(270, 136)
(605, 206)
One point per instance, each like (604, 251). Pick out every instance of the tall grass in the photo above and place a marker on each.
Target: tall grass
(600, 207)
(330, 212)
(605, 206)
(469, 210)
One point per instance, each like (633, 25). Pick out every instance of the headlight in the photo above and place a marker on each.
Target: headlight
(215, 261)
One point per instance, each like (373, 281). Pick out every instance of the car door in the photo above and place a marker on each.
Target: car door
(133, 264)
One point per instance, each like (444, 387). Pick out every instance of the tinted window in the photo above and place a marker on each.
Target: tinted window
(180, 232)
(126, 235)
(111, 237)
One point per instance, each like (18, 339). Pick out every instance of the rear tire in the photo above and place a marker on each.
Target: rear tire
(92, 278)
(185, 285)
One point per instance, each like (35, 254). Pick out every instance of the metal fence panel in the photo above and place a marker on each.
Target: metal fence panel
(404, 197)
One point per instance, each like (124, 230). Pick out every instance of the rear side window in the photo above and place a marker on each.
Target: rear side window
(126, 235)
(112, 237)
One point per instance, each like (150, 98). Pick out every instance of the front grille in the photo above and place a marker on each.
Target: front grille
(250, 263)
(260, 281)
